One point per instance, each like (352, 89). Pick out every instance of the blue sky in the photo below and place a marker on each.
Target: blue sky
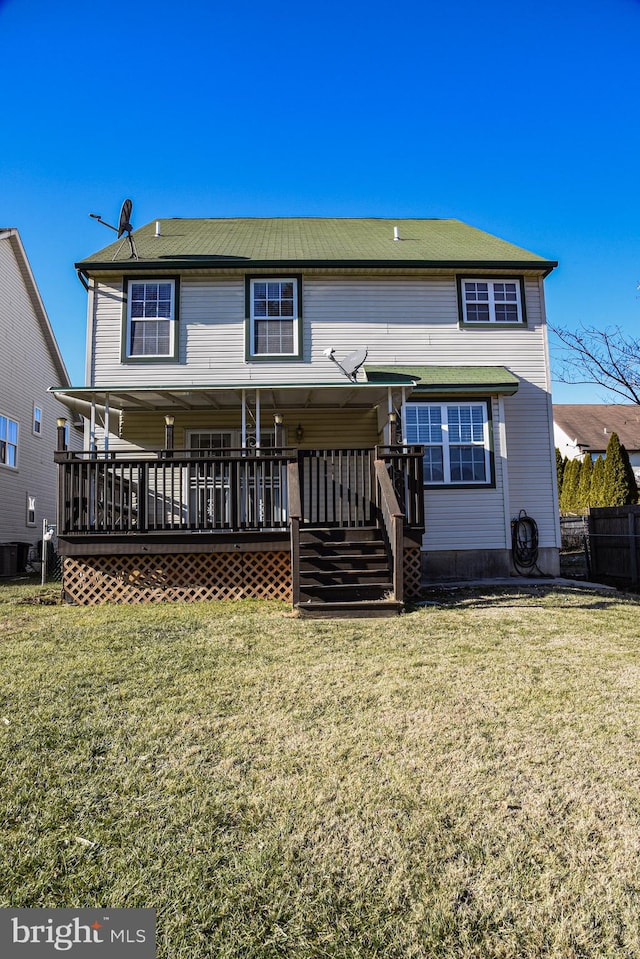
(520, 119)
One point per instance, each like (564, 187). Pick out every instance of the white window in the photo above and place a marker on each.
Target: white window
(8, 442)
(37, 420)
(151, 314)
(274, 320)
(456, 441)
(491, 301)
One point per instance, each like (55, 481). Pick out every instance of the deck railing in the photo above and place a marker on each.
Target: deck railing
(337, 487)
(172, 491)
(166, 491)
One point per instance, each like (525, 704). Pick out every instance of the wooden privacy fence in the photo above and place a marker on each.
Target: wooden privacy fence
(614, 545)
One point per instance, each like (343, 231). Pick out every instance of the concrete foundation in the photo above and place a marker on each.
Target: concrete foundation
(459, 565)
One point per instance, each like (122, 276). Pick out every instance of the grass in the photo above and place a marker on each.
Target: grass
(459, 782)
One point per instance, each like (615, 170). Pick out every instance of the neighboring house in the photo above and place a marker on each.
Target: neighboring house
(29, 362)
(273, 401)
(582, 429)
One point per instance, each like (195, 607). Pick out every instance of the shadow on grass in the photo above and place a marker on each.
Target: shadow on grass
(514, 596)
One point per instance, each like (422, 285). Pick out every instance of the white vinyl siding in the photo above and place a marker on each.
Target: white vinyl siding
(469, 517)
(400, 320)
(27, 369)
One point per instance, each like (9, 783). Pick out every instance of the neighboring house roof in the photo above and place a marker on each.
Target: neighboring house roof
(11, 235)
(311, 241)
(591, 424)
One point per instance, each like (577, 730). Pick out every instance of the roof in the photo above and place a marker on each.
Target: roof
(450, 379)
(591, 424)
(312, 241)
(12, 236)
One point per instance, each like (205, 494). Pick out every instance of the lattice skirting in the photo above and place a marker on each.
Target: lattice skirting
(185, 577)
(412, 573)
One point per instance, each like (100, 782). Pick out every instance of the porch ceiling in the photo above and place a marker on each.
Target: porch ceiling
(361, 395)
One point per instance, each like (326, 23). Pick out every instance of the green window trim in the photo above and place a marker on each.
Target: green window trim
(270, 307)
(495, 302)
(457, 435)
(142, 285)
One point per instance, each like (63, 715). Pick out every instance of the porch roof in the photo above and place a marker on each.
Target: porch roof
(445, 380)
(278, 396)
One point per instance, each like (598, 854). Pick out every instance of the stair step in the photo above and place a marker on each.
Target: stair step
(334, 577)
(348, 535)
(343, 549)
(349, 610)
(342, 562)
(345, 592)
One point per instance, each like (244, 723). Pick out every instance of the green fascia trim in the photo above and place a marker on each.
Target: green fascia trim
(225, 263)
(451, 379)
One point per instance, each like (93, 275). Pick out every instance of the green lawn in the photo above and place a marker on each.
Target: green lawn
(463, 781)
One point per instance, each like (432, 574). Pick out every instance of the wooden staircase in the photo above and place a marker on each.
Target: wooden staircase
(345, 572)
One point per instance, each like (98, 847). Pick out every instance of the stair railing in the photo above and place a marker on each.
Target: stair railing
(392, 518)
(295, 518)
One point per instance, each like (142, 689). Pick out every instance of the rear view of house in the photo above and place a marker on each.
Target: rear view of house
(330, 411)
(29, 362)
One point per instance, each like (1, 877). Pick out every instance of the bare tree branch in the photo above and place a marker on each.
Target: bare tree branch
(607, 358)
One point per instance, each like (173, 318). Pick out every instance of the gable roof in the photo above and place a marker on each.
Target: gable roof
(591, 424)
(313, 241)
(12, 236)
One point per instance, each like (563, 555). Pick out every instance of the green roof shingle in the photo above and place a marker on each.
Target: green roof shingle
(450, 379)
(294, 241)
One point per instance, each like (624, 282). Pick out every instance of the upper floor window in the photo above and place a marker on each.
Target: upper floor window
(151, 319)
(492, 301)
(274, 317)
(456, 439)
(8, 442)
(37, 420)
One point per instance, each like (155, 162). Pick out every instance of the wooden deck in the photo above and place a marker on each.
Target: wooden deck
(222, 503)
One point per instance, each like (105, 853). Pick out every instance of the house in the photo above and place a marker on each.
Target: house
(319, 410)
(581, 429)
(29, 361)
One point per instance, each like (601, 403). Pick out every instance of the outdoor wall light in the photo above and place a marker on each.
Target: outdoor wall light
(277, 419)
(299, 433)
(61, 438)
(169, 420)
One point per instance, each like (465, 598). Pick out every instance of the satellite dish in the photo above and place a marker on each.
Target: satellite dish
(124, 226)
(351, 363)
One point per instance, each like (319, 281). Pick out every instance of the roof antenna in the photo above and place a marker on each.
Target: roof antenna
(124, 226)
(351, 363)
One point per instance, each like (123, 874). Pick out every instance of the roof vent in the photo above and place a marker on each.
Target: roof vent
(396, 235)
